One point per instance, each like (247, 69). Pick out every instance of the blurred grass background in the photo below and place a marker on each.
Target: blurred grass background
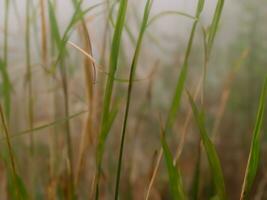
(52, 96)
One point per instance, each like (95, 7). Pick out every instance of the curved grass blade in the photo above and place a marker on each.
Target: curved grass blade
(215, 24)
(167, 13)
(114, 55)
(175, 104)
(213, 159)
(6, 83)
(38, 128)
(196, 178)
(129, 91)
(254, 154)
(183, 74)
(61, 42)
(6, 86)
(174, 174)
(20, 192)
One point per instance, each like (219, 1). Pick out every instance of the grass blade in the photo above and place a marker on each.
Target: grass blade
(183, 74)
(6, 86)
(174, 175)
(254, 154)
(21, 192)
(114, 55)
(129, 91)
(215, 24)
(175, 104)
(167, 13)
(213, 159)
(4, 65)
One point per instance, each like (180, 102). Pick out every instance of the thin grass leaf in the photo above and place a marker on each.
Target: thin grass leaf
(38, 128)
(21, 192)
(213, 159)
(175, 104)
(254, 154)
(167, 13)
(129, 91)
(183, 74)
(108, 125)
(174, 174)
(4, 65)
(214, 25)
(29, 73)
(61, 41)
(114, 55)
(6, 87)
(54, 24)
(196, 179)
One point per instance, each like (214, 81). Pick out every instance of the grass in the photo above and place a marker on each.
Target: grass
(213, 159)
(129, 90)
(175, 178)
(254, 154)
(4, 63)
(91, 112)
(108, 118)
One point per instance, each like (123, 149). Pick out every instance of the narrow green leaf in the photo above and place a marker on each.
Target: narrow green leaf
(129, 91)
(174, 175)
(6, 87)
(183, 74)
(55, 33)
(213, 159)
(215, 23)
(167, 13)
(108, 125)
(114, 55)
(38, 128)
(196, 178)
(22, 192)
(254, 155)
(61, 42)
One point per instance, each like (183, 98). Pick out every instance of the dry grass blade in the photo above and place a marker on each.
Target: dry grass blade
(89, 69)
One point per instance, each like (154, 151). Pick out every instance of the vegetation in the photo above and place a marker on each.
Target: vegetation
(80, 119)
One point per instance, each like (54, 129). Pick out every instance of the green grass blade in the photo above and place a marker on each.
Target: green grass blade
(4, 65)
(114, 56)
(167, 13)
(196, 179)
(76, 17)
(55, 33)
(6, 87)
(183, 74)
(213, 159)
(254, 155)
(41, 127)
(215, 24)
(129, 91)
(174, 175)
(21, 192)
(106, 129)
